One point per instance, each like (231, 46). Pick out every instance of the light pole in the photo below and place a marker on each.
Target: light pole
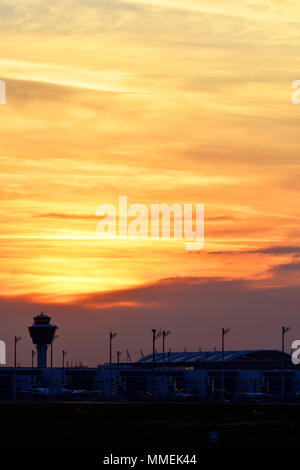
(154, 336)
(111, 336)
(51, 364)
(118, 362)
(153, 362)
(224, 332)
(16, 340)
(63, 367)
(164, 335)
(284, 330)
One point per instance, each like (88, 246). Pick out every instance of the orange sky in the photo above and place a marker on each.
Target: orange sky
(162, 101)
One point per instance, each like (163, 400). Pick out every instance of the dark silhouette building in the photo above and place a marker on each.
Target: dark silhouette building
(42, 334)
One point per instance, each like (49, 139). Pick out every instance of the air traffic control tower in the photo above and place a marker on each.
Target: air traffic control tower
(42, 334)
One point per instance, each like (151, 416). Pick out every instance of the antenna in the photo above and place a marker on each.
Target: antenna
(118, 356)
(128, 356)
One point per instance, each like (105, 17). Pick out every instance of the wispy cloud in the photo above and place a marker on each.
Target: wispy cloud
(164, 101)
(99, 80)
(269, 250)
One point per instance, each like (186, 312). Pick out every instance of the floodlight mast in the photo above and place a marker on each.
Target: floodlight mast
(155, 334)
(164, 335)
(153, 362)
(111, 336)
(63, 366)
(284, 330)
(16, 340)
(224, 332)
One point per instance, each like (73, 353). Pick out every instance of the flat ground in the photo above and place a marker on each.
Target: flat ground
(105, 428)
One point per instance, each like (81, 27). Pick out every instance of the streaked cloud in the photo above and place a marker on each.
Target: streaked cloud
(163, 101)
(109, 81)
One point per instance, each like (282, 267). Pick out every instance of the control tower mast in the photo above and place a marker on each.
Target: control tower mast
(42, 334)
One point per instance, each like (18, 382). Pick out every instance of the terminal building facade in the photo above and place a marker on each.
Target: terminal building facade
(183, 375)
(207, 376)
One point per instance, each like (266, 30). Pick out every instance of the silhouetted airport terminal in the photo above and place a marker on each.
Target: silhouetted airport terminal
(249, 375)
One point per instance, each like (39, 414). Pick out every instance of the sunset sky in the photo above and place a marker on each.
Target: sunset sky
(164, 101)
